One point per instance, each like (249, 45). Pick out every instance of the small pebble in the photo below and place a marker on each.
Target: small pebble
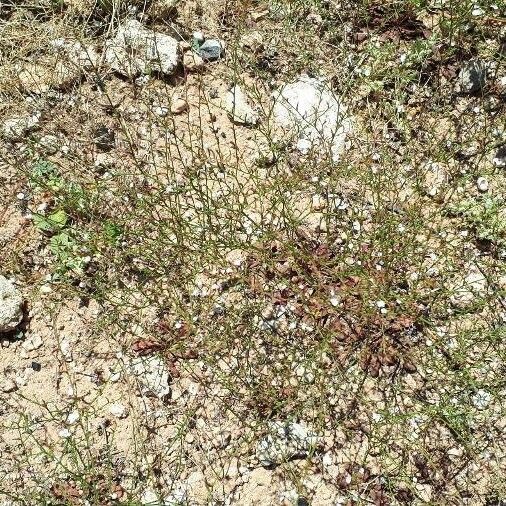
(198, 37)
(161, 111)
(179, 106)
(36, 366)
(482, 184)
(9, 386)
(33, 343)
(118, 410)
(64, 433)
(72, 417)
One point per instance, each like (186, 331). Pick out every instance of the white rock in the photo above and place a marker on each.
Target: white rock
(8, 385)
(176, 497)
(482, 184)
(34, 342)
(152, 375)
(179, 106)
(161, 111)
(39, 76)
(72, 417)
(286, 441)
(481, 399)
(466, 288)
(64, 433)
(11, 303)
(252, 41)
(238, 109)
(17, 128)
(83, 57)
(118, 410)
(198, 37)
(66, 349)
(308, 109)
(137, 50)
(149, 498)
(500, 157)
(50, 143)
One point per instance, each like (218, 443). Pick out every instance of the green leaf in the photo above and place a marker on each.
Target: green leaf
(52, 222)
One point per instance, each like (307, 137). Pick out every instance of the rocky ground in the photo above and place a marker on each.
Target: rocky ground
(253, 252)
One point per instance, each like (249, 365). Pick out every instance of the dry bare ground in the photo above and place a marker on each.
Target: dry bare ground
(253, 252)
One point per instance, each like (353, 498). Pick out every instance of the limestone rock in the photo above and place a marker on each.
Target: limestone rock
(238, 109)
(17, 128)
(11, 303)
(311, 112)
(137, 50)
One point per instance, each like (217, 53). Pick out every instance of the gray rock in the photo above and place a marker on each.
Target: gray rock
(286, 441)
(104, 138)
(137, 50)
(472, 77)
(500, 157)
(211, 50)
(11, 303)
(16, 128)
(238, 109)
(309, 110)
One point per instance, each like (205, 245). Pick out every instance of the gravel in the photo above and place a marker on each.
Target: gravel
(152, 374)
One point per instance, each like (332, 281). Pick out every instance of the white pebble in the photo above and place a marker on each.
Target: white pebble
(72, 417)
(118, 410)
(482, 184)
(198, 37)
(64, 433)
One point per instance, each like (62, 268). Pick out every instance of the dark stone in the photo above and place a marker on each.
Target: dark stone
(472, 77)
(104, 138)
(302, 501)
(500, 156)
(211, 50)
(36, 366)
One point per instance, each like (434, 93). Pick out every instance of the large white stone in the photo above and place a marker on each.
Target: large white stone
(308, 109)
(137, 50)
(11, 302)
